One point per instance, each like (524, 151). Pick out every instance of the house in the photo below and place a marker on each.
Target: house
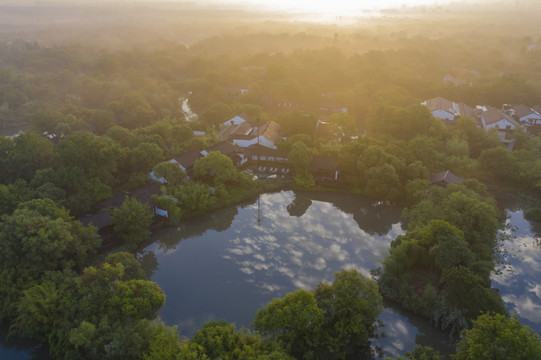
(492, 118)
(266, 135)
(239, 119)
(227, 149)
(187, 160)
(230, 131)
(101, 220)
(447, 110)
(116, 201)
(523, 114)
(445, 178)
(259, 152)
(144, 196)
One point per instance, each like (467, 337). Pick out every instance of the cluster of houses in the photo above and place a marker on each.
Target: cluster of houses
(504, 120)
(245, 140)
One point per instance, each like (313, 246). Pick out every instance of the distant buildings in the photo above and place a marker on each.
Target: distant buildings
(244, 131)
(447, 110)
(488, 117)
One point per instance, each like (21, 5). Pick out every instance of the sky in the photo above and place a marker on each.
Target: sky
(333, 5)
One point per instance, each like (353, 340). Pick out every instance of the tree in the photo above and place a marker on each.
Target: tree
(122, 136)
(37, 239)
(165, 345)
(132, 267)
(143, 157)
(181, 133)
(342, 125)
(216, 114)
(451, 251)
(500, 163)
(131, 222)
(295, 320)
(476, 218)
(334, 321)
(171, 172)
(103, 120)
(298, 122)
(30, 152)
(13, 194)
(495, 337)
(351, 306)
(382, 182)
(216, 169)
(300, 157)
(422, 353)
(193, 197)
(468, 292)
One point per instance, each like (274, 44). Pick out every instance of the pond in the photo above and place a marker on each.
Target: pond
(519, 278)
(229, 264)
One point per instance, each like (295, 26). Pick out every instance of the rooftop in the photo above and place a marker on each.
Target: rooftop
(187, 160)
(523, 110)
(445, 177)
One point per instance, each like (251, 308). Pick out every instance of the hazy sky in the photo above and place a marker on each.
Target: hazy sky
(331, 6)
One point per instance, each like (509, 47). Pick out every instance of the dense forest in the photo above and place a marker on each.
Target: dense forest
(84, 120)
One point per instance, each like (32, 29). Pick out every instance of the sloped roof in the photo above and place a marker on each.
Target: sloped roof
(537, 108)
(270, 130)
(144, 194)
(445, 177)
(465, 110)
(235, 130)
(523, 110)
(224, 147)
(493, 115)
(260, 150)
(439, 103)
(248, 118)
(188, 159)
(100, 220)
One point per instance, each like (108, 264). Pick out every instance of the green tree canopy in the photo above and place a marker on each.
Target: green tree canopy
(216, 169)
(38, 238)
(131, 222)
(497, 337)
(171, 172)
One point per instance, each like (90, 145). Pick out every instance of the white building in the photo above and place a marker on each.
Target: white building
(447, 110)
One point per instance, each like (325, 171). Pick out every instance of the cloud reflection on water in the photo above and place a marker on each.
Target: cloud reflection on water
(230, 273)
(517, 282)
(303, 248)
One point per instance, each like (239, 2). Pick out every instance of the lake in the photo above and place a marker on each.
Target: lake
(232, 262)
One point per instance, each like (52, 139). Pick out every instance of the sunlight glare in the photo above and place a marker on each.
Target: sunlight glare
(338, 7)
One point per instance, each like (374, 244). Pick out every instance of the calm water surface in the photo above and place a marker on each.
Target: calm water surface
(230, 263)
(519, 279)
(233, 262)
